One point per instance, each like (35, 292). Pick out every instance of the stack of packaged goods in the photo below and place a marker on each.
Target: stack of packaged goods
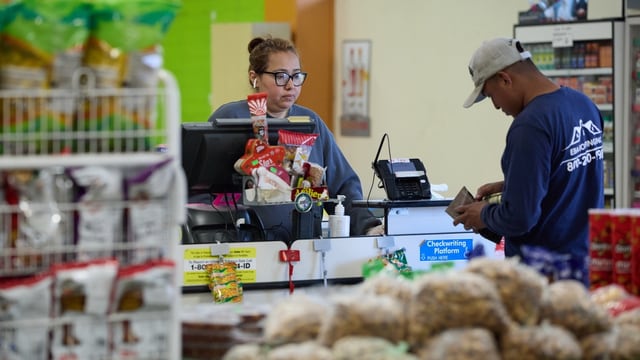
(278, 173)
(615, 248)
(491, 309)
(99, 308)
(54, 52)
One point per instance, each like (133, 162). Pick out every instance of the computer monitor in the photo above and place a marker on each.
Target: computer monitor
(210, 149)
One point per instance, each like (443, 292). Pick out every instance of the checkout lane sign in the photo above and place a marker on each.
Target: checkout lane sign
(445, 249)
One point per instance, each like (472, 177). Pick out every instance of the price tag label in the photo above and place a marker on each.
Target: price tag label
(196, 260)
(562, 37)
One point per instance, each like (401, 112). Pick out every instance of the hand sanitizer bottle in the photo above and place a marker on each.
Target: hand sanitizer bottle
(339, 222)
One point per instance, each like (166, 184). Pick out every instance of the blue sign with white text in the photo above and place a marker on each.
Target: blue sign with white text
(445, 249)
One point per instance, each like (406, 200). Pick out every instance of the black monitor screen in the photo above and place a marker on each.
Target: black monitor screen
(209, 151)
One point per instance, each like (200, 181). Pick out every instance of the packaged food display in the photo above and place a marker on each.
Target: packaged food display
(450, 314)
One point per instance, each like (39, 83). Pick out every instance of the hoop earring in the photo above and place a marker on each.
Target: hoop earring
(254, 82)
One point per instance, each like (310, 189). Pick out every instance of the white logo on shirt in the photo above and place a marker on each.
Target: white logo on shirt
(582, 152)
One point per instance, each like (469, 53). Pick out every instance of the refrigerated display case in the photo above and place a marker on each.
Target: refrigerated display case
(581, 56)
(632, 109)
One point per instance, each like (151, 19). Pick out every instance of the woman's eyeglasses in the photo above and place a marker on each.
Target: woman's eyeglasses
(282, 78)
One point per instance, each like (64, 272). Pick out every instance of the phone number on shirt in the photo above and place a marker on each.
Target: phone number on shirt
(585, 159)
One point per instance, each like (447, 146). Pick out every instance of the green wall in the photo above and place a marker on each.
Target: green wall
(187, 48)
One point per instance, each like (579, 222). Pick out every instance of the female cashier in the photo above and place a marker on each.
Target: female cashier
(274, 68)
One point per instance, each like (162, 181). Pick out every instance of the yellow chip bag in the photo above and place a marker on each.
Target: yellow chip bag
(223, 282)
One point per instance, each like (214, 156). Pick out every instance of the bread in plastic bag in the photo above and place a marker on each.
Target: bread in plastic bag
(445, 300)
(569, 305)
(607, 294)
(615, 299)
(250, 351)
(461, 344)
(295, 319)
(381, 316)
(522, 288)
(545, 341)
(370, 348)
(622, 341)
(631, 317)
(395, 286)
(308, 350)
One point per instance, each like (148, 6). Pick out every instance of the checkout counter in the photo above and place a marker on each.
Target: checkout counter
(421, 227)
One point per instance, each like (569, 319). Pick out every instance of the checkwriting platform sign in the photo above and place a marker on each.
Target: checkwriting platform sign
(445, 249)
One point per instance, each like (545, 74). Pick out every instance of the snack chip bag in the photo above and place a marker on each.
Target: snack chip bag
(41, 46)
(42, 42)
(258, 109)
(146, 287)
(297, 148)
(223, 282)
(123, 44)
(123, 51)
(25, 299)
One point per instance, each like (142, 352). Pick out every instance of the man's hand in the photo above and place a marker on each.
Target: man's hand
(469, 216)
(488, 189)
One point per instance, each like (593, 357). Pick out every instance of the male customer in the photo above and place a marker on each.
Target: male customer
(552, 162)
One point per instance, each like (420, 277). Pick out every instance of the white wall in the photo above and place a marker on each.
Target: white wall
(418, 82)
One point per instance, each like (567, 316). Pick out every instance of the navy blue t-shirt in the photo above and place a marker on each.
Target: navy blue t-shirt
(553, 174)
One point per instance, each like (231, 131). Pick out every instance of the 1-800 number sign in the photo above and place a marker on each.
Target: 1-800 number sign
(202, 265)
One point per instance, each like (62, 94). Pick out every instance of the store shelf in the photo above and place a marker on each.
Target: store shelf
(91, 185)
(580, 56)
(34, 161)
(631, 116)
(578, 72)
